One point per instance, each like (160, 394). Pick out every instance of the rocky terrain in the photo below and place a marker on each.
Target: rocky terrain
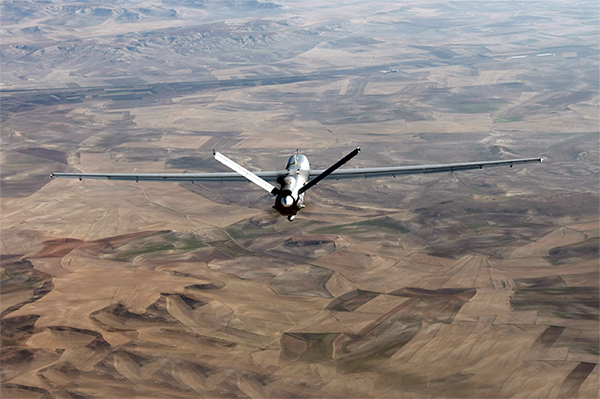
(471, 284)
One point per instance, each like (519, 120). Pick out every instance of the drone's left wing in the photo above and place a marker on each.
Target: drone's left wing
(418, 169)
(172, 177)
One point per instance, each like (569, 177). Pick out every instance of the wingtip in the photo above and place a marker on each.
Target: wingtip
(541, 159)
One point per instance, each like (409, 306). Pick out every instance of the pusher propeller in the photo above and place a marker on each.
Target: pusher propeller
(329, 170)
(246, 173)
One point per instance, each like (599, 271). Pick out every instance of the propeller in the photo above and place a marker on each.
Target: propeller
(246, 173)
(327, 172)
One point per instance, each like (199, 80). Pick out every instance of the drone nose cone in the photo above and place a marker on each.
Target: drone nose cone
(287, 201)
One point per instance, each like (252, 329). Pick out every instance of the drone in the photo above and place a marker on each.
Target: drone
(297, 177)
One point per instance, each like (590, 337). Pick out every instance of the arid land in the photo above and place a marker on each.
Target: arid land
(473, 284)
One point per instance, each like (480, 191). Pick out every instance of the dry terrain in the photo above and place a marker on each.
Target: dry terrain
(473, 284)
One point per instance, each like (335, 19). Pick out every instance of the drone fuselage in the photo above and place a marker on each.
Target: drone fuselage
(289, 201)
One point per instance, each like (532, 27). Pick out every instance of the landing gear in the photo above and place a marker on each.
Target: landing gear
(291, 217)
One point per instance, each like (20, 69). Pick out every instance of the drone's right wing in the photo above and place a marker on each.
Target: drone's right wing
(418, 169)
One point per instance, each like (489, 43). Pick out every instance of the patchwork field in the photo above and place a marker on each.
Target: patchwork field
(472, 284)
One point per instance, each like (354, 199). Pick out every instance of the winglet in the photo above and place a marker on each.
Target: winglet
(214, 152)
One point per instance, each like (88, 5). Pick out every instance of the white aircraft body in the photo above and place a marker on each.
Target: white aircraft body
(296, 179)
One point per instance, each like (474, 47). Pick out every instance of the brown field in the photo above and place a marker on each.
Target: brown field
(473, 284)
